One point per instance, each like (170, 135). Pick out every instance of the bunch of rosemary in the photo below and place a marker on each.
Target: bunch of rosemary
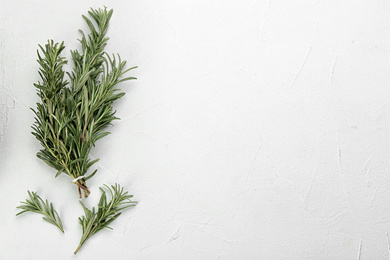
(70, 120)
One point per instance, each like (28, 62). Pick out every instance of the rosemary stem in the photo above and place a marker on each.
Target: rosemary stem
(78, 248)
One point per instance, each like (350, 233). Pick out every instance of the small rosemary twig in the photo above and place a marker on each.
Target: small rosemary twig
(37, 205)
(92, 222)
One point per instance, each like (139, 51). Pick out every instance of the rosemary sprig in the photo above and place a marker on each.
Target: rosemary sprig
(70, 120)
(92, 222)
(37, 205)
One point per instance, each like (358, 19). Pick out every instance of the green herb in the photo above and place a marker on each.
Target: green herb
(107, 212)
(37, 205)
(69, 120)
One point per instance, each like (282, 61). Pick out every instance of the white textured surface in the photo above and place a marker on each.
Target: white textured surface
(256, 130)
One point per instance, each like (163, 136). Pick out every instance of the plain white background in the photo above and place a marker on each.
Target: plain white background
(255, 130)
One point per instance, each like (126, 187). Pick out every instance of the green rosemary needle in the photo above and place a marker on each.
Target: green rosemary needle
(70, 120)
(92, 222)
(37, 205)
